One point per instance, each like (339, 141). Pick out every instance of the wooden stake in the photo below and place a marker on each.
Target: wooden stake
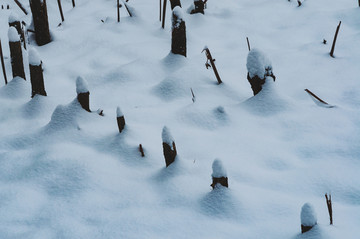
(18, 26)
(248, 43)
(21, 7)
(41, 23)
(2, 63)
(329, 206)
(61, 11)
(209, 57)
(164, 14)
(17, 64)
(334, 42)
(118, 10)
(178, 35)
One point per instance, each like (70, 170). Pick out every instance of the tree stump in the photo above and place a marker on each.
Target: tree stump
(219, 175)
(169, 147)
(175, 3)
(41, 23)
(36, 74)
(83, 94)
(17, 63)
(120, 119)
(199, 7)
(178, 40)
(14, 21)
(308, 217)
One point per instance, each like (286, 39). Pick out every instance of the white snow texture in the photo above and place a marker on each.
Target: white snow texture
(119, 113)
(308, 215)
(34, 58)
(13, 18)
(166, 136)
(178, 13)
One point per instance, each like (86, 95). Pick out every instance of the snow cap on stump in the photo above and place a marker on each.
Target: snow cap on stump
(13, 18)
(258, 64)
(81, 85)
(218, 169)
(178, 16)
(308, 215)
(34, 58)
(119, 113)
(13, 35)
(166, 136)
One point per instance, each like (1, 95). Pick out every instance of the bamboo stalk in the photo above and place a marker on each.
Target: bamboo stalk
(334, 42)
(23, 9)
(164, 14)
(61, 11)
(2, 63)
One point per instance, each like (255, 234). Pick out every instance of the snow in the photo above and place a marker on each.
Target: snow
(177, 16)
(13, 35)
(81, 85)
(13, 17)
(308, 215)
(218, 169)
(34, 57)
(68, 173)
(258, 64)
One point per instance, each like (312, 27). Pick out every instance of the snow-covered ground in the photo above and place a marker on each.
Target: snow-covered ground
(67, 173)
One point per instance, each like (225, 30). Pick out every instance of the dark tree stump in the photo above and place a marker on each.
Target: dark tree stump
(305, 228)
(84, 99)
(41, 24)
(121, 123)
(169, 153)
(178, 40)
(175, 3)
(17, 63)
(36, 74)
(256, 83)
(223, 181)
(199, 7)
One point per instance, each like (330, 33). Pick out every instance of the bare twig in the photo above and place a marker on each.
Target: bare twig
(21, 7)
(212, 63)
(334, 42)
(141, 150)
(164, 14)
(2, 63)
(73, 3)
(319, 101)
(329, 206)
(193, 95)
(61, 11)
(248, 43)
(118, 10)
(160, 11)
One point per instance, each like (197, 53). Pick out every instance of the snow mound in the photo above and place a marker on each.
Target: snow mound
(81, 85)
(34, 57)
(16, 88)
(218, 169)
(65, 117)
(13, 35)
(166, 136)
(268, 101)
(308, 215)
(258, 64)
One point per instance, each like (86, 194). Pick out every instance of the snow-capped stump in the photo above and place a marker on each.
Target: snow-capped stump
(178, 39)
(41, 23)
(36, 73)
(169, 147)
(219, 175)
(175, 3)
(17, 63)
(199, 6)
(14, 21)
(120, 119)
(259, 67)
(308, 217)
(83, 94)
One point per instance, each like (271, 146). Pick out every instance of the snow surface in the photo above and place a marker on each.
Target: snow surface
(68, 173)
(81, 85)
(13, 17)
(308, 215)
(167, 137)
(119, 113)
(218, 169)
(34, 57)
(13, 35)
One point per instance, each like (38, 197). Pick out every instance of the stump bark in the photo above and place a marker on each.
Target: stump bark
(37, 80)
(41, 23)
(256, 83)
(121, 123)
(17, 63)
(199, 7)
(84, 99)
(175, 3)
(178, 40)
(223, 181)
(169, 153)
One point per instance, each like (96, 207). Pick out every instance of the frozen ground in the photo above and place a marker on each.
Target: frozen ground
(67, 173)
